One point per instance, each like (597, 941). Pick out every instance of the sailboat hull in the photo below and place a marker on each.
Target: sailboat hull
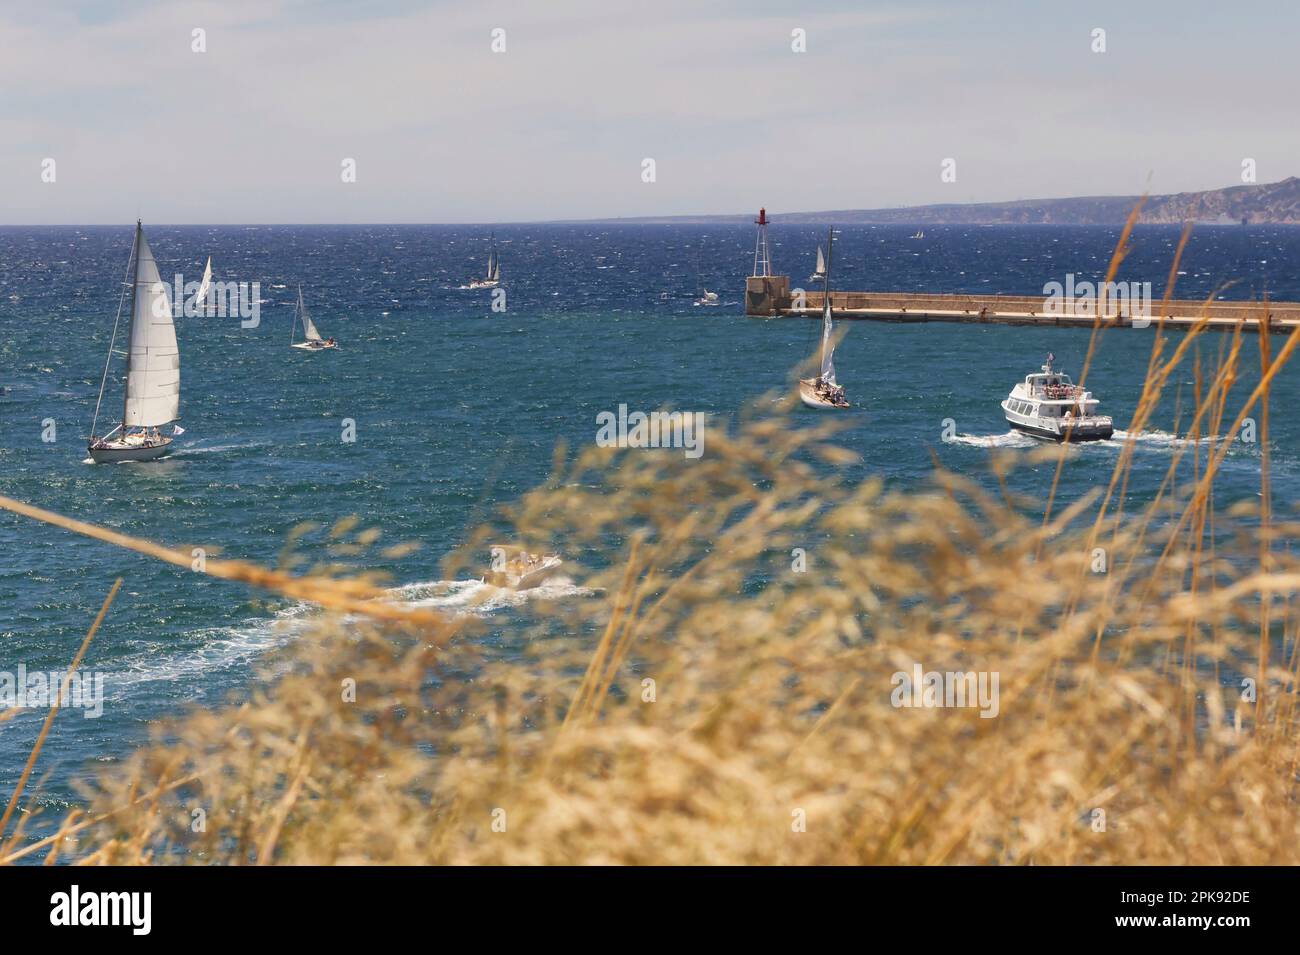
(315, 346)
(116, 452)
(809, 396)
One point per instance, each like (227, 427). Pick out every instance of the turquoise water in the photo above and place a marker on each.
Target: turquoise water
(457, 408)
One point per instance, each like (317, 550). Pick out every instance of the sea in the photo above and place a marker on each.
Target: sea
(455, 400)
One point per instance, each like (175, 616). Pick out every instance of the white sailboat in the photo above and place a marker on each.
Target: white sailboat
(492, 277)
(702, 295)
(920, 234)
(312, 340)
(153, 369)
(824, 391)
(820, 272)
(200, 297)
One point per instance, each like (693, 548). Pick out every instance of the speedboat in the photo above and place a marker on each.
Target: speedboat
(1049, 405)
(523, 570)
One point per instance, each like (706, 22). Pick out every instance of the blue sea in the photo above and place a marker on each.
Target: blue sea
(457, 407)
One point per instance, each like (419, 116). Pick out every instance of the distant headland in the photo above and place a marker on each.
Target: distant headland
(1275, 203)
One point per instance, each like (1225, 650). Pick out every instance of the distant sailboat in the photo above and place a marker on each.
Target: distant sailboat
(492, 277)
(153, 369)
(200, 297)
(820, 273)
(824, 391)
(312, 340)
(920, 234)
(702, 295)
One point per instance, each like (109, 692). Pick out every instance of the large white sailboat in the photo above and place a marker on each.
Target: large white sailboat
(491, 278)
(153, 369)
(824, 391)
(312, 340)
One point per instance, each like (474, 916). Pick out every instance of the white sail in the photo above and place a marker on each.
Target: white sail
(821, 262)
(201, 295)
(308, 326)
(828, 345)
(495, 276)
(153, 376)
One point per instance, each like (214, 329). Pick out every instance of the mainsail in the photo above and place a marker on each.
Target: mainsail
(308, 327)
(153, 374)
(202, 293)
(828, 345)
(821, 262)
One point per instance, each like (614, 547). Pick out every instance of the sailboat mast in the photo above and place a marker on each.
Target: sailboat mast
(130, 329)
(112, 341)
(826, 291)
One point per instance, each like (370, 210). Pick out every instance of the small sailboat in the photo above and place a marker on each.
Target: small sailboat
(820, 272)
(920, 234)
(702, 295)
(151, 398)
(312, 340)
(492, 277)
(200, 297)
(824, 391)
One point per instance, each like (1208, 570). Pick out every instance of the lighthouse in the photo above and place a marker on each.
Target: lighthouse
(762, 255)
(765, 292)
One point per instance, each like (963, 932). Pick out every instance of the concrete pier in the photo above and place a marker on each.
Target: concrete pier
(771, 297)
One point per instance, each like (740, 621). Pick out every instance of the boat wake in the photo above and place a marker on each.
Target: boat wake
(1012, 439)
(479, 598)
(1018, 439)
(216, 448)
(1162, 439)
(216, 649)
(232, 649)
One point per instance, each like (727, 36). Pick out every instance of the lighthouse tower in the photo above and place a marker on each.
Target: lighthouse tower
(765, 293)
(762, 255)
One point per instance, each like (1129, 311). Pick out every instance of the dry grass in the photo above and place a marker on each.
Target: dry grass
(1120, 691)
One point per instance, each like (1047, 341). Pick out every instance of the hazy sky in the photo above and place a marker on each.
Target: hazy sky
(443, 129)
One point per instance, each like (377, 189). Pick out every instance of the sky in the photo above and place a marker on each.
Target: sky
(443, 129)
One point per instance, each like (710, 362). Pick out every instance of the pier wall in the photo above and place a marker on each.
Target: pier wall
(768, 295)
(772, 298)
